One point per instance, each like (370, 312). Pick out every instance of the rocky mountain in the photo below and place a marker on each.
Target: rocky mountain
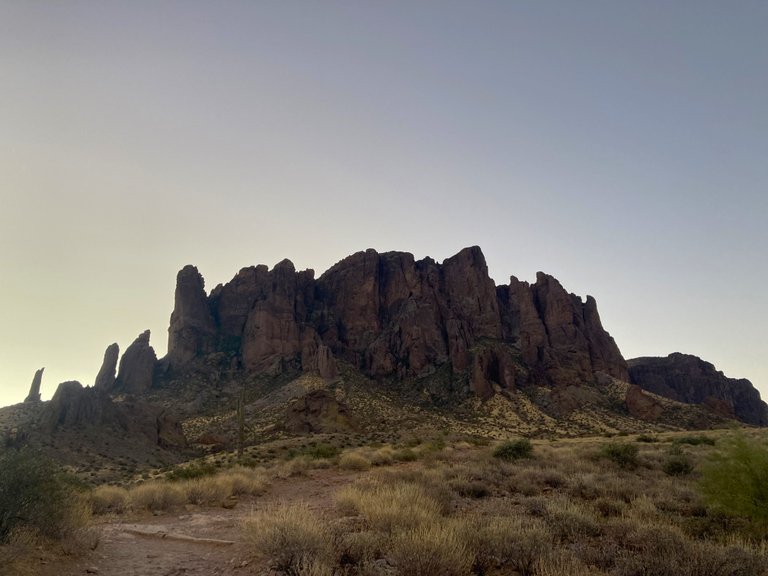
(690, 379)
(391, 316)
(380, 345)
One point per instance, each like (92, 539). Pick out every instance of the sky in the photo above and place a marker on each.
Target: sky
(618, 145)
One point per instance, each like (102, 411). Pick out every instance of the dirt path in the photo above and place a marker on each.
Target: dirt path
(196, 541)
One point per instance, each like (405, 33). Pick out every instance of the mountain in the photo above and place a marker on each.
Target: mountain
(379, 346)
(690, 379)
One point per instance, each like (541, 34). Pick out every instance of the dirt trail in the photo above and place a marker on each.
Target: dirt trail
(196, 541)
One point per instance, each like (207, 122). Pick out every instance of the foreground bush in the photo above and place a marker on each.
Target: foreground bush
(514, 449)
(624, 455)
(735, 480)
(36, 495)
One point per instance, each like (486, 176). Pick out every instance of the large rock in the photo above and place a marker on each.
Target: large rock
(319, 411)
(34, 389)
(136, 367)
(105, 379)
(641, 405)
(76, 407)
(690, 379)
(192, 330)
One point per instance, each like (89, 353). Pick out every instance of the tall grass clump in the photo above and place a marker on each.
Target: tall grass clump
(735, 480)
(36, 495)
(292, 537)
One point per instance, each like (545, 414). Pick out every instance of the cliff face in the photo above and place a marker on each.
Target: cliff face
(689, 379)
(390, 315)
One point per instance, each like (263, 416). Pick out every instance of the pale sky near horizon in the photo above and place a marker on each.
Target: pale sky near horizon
(621, 146)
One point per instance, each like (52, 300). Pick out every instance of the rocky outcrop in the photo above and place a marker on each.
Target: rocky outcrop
(136, 367)
(319, 411)
(192, 331)
(74, 406)
(689, 379)
(641, 405)
(34, 389)
(391, 316)
(105, 379)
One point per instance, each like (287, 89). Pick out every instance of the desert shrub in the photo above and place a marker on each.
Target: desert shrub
(322, 451)
(354, 461)
(191, 471)
(209, 490)
(695, 440)
(514, 449)
(36, 495)
(156, 496)
(292, 536)
(647, 438)
(512, 543)
(405, 455)
(623, 454)
(434, 548)
(108, 500)
(383, 456)
(470, 488)
(570, 520)
(247, 481)
(389, 507)
(735, 480)
(677, 465)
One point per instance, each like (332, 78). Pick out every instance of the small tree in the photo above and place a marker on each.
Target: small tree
(735, 480)
(34, 494)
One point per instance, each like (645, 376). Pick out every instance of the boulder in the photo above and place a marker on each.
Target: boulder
(642, 406)
(319, 411)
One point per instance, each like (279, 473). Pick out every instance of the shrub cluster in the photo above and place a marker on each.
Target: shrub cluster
(514, 449)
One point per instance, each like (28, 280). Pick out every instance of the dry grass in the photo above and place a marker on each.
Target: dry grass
(292, 537)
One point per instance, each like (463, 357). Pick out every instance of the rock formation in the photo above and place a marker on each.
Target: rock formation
(105, 379)
(641, 405)
(74, 406)
(319, 411)
(689, 379)
(136, 367)
(391, 316)
(34, 389)
(191, 332)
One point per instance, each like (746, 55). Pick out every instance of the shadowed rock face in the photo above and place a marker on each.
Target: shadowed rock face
(34, 389)
(392, 316)
(136, 367)
(105, 379)
(73, 406)
(686, 378)
(192, 331)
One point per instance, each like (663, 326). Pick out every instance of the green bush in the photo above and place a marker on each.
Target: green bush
(192, 471)
(514, 449)
(35, 494)
(677, 465)
(625, 455)
(695, 440)
(735, 480)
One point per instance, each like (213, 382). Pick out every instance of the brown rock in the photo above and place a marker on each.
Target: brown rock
(641, 405)
(191, 333)
(136, 367)
(319, 411)
(75, 406)
(232, 302)
(105, 379)
(686, 378)
(34, 389)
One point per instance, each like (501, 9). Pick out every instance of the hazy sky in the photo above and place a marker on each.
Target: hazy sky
(621, 146)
